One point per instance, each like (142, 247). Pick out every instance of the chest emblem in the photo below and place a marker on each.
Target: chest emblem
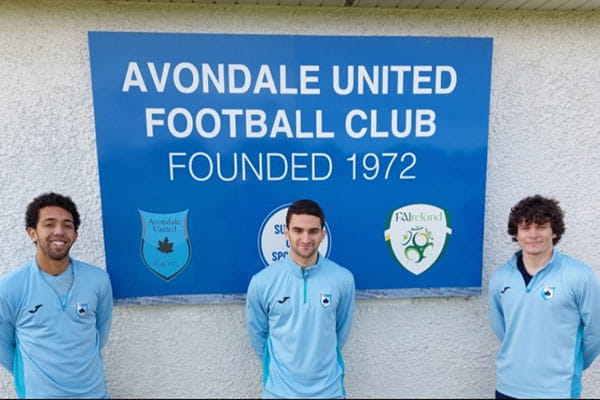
(82, 309)
(325, 300)
(548, 292)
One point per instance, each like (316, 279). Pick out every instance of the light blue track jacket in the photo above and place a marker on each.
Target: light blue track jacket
(298, 321)
(550, 330)
(53, 349)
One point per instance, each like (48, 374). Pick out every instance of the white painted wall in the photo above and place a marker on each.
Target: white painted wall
(544, 138)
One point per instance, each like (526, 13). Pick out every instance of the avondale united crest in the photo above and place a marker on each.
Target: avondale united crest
(417, 234)
(165, 249)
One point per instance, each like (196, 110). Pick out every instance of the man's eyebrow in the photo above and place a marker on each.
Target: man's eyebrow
(49, 219)
(523, 223)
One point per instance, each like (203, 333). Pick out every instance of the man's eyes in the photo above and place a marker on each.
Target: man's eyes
(312, 231)
(52, 225)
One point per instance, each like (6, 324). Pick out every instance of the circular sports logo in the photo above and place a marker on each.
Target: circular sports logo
(272, 243)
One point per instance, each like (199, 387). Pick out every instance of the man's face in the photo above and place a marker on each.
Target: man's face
(535, 239)
(54, 234)
(305, 234)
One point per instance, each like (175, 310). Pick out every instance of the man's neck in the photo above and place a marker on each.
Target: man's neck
(534, 262)
(305, 262)
(53, 267)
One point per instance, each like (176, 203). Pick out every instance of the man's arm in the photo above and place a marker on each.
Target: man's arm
(589, 310)
(7, 336)
(257, 319)
(496, 315)
(345, 312)
(104, 313)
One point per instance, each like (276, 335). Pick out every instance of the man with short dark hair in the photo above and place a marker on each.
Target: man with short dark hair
(544, 308)
(299, 312)
(55, 311)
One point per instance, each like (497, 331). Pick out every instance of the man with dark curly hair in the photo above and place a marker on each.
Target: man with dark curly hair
(544, 308)
(55, 311)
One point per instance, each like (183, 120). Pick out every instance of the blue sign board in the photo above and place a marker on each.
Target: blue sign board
(203, 141)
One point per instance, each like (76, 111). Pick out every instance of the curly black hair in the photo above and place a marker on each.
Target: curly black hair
(305, 206)
(32, 214)
(539, 210)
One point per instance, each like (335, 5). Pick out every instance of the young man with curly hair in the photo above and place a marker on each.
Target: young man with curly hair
(544, 308)
(55, 311)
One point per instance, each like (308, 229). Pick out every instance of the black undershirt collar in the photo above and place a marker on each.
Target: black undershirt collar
(521, 267)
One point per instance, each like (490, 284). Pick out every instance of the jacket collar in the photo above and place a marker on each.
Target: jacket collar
(36, 268)
(297, 270)
(554, 260)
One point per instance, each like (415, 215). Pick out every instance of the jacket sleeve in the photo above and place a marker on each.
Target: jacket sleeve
(104, 312)
(257, 319)
(7, 336)
(589, 310)
(345, 312)
(496, 314)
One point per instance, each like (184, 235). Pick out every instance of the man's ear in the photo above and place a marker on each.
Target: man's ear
(32, 233)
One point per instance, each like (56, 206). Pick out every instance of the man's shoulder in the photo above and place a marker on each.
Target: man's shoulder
(16, 275)
(87, 268)
(270, 271)
(337, 269)
(570, 260)
(14, 283)
(575, 266)
(90, 272)
(504, 269)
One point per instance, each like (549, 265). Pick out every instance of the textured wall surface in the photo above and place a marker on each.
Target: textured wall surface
(544, 138)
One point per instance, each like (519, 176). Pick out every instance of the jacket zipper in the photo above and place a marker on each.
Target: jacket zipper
(305, 278)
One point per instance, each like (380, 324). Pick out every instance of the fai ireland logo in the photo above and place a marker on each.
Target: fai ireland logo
(165, 247)
(417, 234)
